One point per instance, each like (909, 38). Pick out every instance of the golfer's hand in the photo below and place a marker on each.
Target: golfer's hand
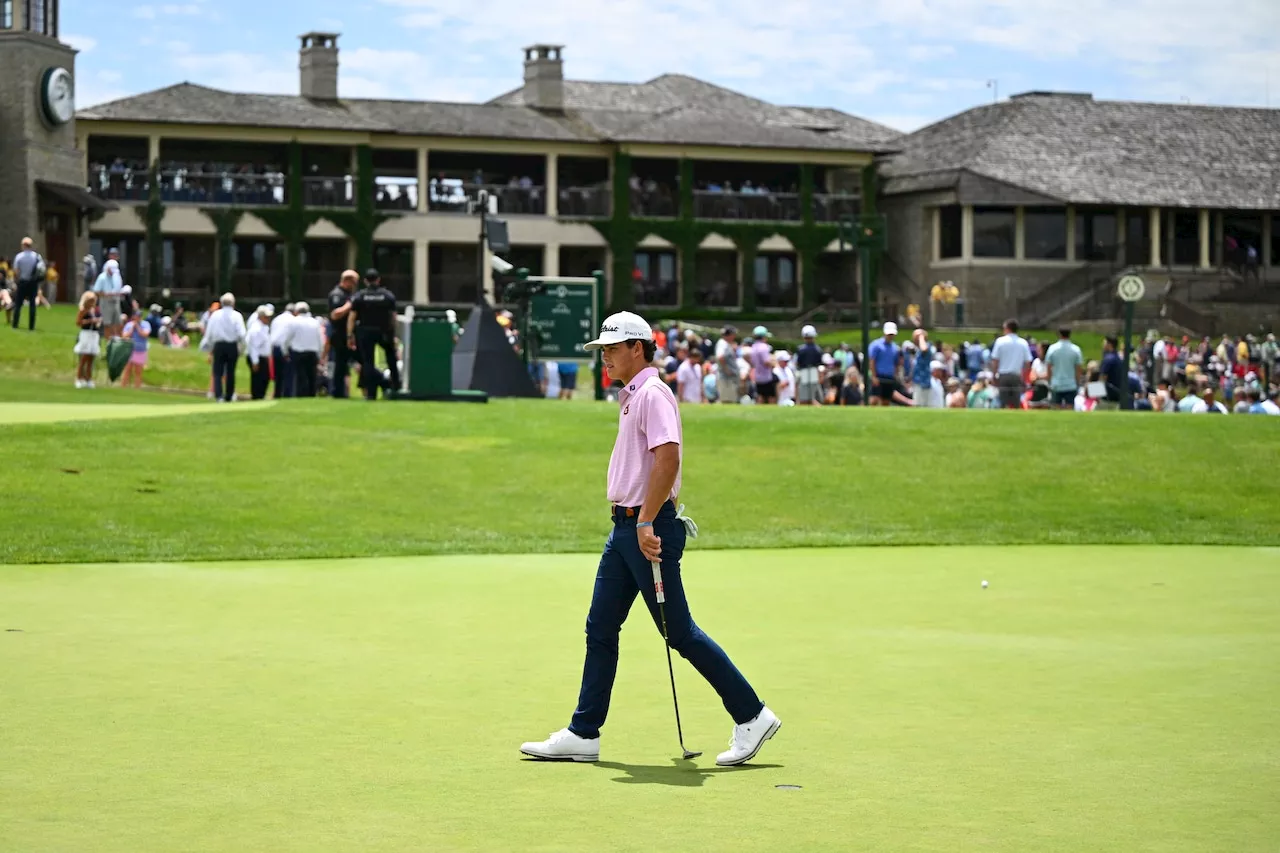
(351, 344)
(650, 544)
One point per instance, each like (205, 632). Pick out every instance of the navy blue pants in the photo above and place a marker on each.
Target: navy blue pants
(624, 571)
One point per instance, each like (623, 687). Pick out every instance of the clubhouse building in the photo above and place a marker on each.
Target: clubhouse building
(692, 197)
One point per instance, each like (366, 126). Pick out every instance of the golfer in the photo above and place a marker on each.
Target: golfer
(642, 485)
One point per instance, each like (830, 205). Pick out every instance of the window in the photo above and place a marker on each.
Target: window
(1096, 235)
(1137, 238)
(42, 16)
(951, 231)
(775, 281)
(1240, 232)
(655, 278)
(993, 232)
(1183, 228)
(1046, 233)
(6, 14)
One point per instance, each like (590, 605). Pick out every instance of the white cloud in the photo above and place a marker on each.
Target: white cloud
(84, 44)
(146, 13)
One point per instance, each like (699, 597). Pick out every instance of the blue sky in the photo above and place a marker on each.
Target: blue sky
(903, 62)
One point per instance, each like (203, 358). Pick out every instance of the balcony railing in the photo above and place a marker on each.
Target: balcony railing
(654, 203)
(765, 207)
(324, 191)
(833, 208)
(586, 202)
(451, 197)
(182, 185)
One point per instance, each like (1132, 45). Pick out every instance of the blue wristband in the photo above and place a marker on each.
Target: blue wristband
(640, 524)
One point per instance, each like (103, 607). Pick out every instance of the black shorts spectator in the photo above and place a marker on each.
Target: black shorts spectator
(1064, 398)
(885, 387)
(568, 381)
(767, 389)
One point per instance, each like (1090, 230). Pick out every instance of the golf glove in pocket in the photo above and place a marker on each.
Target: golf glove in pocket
(690, 526)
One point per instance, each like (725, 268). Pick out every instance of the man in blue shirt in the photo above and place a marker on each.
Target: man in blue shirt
(1066, 370)
(921, 369)
(1113, 374)
(885, 357)
(28, 270)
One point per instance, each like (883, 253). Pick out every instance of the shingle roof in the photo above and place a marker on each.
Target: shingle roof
(1073, 148)
(188, 103)
(672, 109)
(675, 108)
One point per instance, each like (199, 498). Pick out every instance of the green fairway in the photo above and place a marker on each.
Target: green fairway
(36, 413)
(325, 478)
(1099, 699)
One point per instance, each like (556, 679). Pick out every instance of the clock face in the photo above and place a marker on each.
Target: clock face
(57, 96)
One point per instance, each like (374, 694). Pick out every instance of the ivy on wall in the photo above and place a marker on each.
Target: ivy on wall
(291, 223)
(225, 221)
(624, 233)
(361, 223)
(151, 215)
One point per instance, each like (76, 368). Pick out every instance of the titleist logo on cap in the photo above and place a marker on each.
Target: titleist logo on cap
(607, 328)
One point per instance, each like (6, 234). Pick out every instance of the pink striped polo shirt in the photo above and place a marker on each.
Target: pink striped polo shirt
(649, 418)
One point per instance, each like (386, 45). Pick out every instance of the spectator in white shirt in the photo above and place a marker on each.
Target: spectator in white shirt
(937, 396)
(281, 367)
(304, 341)
(689, 378)
(1011, 355)
(258, 344)
(224, 341)
(786, 379)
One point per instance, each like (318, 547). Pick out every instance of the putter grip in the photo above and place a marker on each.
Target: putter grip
(657, 581)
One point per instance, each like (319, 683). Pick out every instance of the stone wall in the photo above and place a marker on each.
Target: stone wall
(31, 150)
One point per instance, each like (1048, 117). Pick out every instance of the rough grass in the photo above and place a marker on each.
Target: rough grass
(323, 478)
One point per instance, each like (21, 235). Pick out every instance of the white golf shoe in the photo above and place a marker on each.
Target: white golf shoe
(564, 745)
(749, 737)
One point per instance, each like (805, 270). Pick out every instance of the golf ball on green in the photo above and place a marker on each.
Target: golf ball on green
(984, 584)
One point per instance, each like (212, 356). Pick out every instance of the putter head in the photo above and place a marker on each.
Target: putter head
(689, 754)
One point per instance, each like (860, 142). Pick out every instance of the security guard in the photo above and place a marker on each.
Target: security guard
(339, 307)
(371, 323)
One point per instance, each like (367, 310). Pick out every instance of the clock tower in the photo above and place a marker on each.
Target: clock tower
(42, 177)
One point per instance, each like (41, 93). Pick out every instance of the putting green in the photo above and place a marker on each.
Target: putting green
(1100, 699)
(45, 413)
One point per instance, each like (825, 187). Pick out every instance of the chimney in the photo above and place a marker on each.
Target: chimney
(318, 66)
(544, 77)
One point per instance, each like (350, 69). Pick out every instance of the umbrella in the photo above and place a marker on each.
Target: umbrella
(118, 352)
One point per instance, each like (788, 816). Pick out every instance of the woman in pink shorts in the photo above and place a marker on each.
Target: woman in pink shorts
(136, 331)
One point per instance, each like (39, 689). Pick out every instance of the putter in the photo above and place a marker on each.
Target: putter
(662, 613)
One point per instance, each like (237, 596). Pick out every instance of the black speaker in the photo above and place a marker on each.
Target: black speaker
(485, 361)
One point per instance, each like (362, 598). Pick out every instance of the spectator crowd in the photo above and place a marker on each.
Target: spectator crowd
(1236, 375)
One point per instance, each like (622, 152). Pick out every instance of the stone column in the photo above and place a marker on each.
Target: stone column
(1155, 237)
(421, 272)
(1071, 234)
(553, 186)
(1204, 239)
(551, 258)
(1020, 233)
(424, 183)
(1264, 251)
(966, 236)
(153, 149)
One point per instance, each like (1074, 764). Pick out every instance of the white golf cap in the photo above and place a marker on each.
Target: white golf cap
(891, 328)
(623, 326)
(783, 355)
(808, 332)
